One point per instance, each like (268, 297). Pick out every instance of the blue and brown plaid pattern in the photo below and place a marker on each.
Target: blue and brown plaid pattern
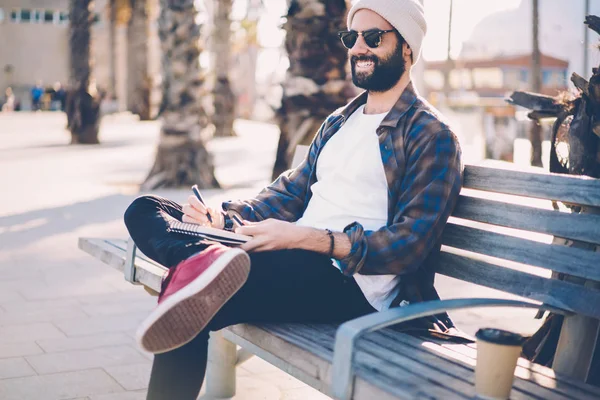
(422, 163)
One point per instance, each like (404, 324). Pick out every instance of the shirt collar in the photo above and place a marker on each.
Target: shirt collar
(404, 103)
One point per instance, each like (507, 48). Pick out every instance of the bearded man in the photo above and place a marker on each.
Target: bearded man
(351, 231)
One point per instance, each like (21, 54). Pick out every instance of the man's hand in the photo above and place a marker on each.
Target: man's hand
(195, 212)
(272, 234)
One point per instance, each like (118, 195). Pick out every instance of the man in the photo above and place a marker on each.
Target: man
(350, 231)
(36, 96)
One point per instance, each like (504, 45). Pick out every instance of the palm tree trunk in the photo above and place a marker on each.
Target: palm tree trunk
(182, 158)
(83, 99)
(112, 56)
(139, 81)
(316, 83)
(224, 99)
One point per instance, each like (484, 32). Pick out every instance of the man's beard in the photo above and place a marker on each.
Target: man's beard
(386, 71)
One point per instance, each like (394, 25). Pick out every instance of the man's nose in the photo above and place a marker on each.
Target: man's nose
(360, 48)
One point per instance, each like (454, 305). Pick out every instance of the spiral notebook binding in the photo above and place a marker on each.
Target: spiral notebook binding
(191, 229)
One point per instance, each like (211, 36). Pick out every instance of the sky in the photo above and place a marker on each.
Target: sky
(466, 15)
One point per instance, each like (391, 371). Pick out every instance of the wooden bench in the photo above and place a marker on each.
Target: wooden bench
(497, 243)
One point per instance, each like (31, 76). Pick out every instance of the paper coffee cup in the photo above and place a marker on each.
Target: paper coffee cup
(497, 355)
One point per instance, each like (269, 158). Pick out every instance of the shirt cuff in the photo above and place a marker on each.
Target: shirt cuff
(355, 260)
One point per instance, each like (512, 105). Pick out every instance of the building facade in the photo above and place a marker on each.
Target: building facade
(497, 76)
(34, 45)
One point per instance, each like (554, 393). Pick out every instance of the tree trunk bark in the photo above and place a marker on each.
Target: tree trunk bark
(83, 99)
(536, 75)
(139, 81)
(112, 60)
(316, 83)
(182, 158)
(224, 98)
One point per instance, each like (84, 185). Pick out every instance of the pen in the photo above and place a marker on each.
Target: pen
(197, 193)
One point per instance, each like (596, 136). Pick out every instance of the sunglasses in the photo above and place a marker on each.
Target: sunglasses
(372, 37)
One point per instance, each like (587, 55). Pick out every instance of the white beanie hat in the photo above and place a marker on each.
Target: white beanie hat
(406, 16)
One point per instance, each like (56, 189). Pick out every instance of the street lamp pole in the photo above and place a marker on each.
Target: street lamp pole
(586, 41)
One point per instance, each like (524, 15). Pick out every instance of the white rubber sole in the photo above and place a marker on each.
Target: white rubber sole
(184, 314)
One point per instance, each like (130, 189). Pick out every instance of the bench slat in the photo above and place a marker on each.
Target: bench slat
(311, 367)
(570, 260)
(531, 371)
(584, 227)
(566, 188)
(405, 354)
(433, 358)
(564, 295)
(400, 356)
(402, 382)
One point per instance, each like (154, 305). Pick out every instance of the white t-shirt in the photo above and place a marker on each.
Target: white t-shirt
(351, 186)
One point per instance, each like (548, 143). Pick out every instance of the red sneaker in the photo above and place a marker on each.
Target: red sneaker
(191, 295)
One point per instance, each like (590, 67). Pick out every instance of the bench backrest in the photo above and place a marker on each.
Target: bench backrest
(510, 243)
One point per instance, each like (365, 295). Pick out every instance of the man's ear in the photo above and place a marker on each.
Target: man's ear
(406, 50)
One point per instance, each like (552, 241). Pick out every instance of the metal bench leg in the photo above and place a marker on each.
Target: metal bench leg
(220, 371)
(129, 267)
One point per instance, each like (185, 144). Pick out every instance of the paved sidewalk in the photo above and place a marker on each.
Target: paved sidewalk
(66, 319)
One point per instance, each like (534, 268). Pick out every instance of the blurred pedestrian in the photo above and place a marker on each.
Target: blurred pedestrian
(9, 100)
(59, 97)
(36, 96)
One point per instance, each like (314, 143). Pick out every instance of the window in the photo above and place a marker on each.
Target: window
(49, 16)
(546, 77)
(26, 15)
(37, 16)
(15, 15)
(64, 17)
(524, 76)
(1, 15)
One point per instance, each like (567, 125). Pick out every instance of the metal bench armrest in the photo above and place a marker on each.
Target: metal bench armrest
(129, 267)
(349, 332)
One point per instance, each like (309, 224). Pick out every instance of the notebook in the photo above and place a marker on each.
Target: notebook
(213, 234)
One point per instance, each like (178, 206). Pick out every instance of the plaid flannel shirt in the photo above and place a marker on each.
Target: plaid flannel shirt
(422, 162)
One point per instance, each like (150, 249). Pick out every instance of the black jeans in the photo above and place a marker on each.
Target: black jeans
(283, 286)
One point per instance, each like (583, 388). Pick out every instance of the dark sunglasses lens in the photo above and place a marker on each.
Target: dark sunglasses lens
(372, 38)
(349, 39)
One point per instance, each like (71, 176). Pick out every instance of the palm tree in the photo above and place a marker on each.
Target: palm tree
(182, 158)
(316, 83)
(139, 81)
(224, 99)
(83, 99)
